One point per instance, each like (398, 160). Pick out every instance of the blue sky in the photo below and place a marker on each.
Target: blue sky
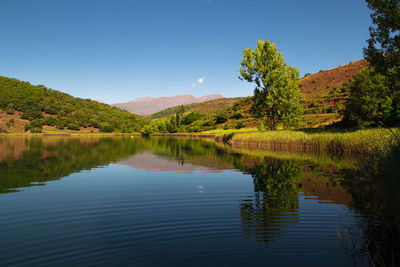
(118, 50)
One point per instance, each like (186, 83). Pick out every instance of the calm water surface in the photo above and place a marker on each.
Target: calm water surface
(158, 201)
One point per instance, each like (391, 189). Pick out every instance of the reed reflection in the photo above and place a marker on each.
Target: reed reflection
(375, 188)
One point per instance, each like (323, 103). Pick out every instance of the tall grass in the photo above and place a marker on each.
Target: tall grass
(334, 142)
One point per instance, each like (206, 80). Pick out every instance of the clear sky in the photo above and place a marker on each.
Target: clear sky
(118, 50)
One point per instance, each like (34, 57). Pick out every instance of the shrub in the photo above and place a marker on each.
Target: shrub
(36, 123)
(337, 108)
(261, 126)
(73, 126)
(62, 123)
(148, 130)
(221, 117)
(106, 127)
(93, 123)
(10, 109)
(51, 121)
(208, 122)
(237, 115)
(51, 109)
(127, 130)
(314, 104)
(191, 117)
(240, 125)
(32, 114)
(194, 129)
(10, 123)
(34, 126)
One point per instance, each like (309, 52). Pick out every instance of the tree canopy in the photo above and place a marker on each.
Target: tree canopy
(370, 103)
(384, 44)
(276, 96)
(375, 92)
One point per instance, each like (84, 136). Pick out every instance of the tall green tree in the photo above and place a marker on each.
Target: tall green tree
(179, 115)
(384, 44)
(383, 51)
(277, 95)
(370, 103)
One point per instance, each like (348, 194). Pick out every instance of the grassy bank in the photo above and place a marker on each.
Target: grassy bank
(333, 142)
(362, 142)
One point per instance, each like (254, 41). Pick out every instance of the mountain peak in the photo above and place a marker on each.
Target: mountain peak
(148, 105)
(146, 98)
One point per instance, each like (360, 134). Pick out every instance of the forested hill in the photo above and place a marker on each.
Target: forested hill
(44, 106)
(207, 107)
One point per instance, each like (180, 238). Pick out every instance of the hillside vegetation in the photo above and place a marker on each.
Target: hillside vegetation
(32, 108)
(41, 106)
(323, 102)
(208, 107)
(319, 85)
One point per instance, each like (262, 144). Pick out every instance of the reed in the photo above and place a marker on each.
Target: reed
(342, 142)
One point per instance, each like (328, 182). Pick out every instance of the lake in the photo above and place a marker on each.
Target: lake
(168, 201)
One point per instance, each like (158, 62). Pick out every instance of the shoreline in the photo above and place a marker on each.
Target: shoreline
(355, 143)
(359, 142)
(335, 142)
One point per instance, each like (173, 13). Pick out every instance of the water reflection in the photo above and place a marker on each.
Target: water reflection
(275, 202)
(32, 161)
(266, 213)
(375, 187)
(25, 160)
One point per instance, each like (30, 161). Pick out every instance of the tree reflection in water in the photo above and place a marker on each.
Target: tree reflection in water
(275, 202)
(265, 214)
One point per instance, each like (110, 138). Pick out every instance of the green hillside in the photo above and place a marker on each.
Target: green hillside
(207, 107)
(27, 107)
(41, 106)
(323, 103)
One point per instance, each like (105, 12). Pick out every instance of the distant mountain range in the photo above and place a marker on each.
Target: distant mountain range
(148, 105)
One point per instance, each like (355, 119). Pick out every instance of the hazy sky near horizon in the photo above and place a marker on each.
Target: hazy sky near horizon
(118, 50)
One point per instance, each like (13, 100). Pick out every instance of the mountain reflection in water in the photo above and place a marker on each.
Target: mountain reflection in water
(297, 202)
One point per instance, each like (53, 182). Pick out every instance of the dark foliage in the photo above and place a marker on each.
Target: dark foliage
(371, 102)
